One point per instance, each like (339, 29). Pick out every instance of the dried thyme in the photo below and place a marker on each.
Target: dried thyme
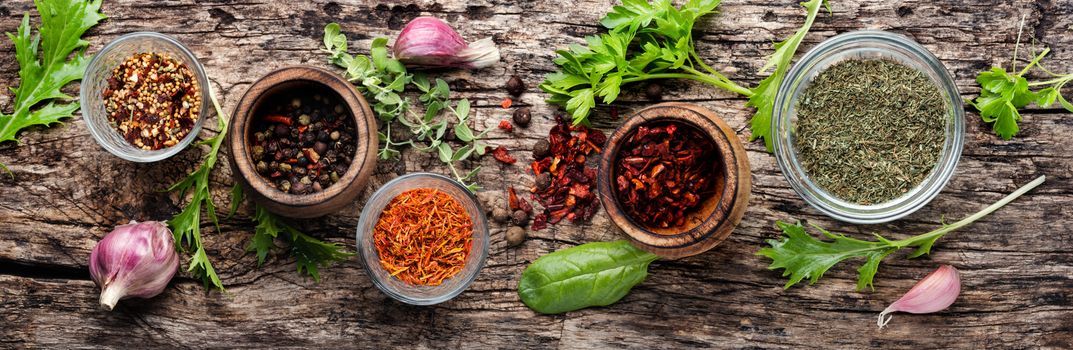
(869, 131)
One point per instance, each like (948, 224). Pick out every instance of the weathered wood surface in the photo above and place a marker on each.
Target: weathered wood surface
(1017, 269)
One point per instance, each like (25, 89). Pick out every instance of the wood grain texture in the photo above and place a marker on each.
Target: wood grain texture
(1016, 265)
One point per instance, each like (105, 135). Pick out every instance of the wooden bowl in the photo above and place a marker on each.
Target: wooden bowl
(712, 221)
(331, 199)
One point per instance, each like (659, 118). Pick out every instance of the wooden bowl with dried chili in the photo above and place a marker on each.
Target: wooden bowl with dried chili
(675, 178)
(303, 142)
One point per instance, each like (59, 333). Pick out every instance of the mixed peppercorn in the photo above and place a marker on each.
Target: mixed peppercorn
(664, 170)
(303, 144)
(153, 100)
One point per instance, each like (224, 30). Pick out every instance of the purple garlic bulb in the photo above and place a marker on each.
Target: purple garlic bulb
(135, 260)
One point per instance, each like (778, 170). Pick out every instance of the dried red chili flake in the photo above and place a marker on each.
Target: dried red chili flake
(500, 154)
(664, 170)
(569, 195)
(506, 103)
(506, 126)
(517, 203)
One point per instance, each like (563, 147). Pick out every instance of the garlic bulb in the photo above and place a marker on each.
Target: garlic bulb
(933, 293)
(429, 42)
(134, 260)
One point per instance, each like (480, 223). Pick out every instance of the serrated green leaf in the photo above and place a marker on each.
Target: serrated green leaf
(1046, 97)
(44, 66)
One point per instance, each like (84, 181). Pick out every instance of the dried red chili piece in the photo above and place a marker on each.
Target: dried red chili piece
(568, 194)
(517, 203)
(500, 154)
(506, 126)
(663, 171)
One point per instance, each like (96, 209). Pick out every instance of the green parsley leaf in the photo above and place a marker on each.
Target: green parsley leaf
(763, 97)
(802, 256)
(1003, 93)
(186, 226)
(44, 66)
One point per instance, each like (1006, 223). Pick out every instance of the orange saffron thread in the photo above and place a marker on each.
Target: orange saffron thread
(423, 237)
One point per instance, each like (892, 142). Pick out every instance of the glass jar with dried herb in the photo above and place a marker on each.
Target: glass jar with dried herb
(868, 126)
(664, 170)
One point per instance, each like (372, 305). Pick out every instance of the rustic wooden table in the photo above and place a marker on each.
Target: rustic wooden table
(1016, 265)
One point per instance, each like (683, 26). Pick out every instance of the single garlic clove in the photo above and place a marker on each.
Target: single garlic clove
(134, 260)
(429, 42)
(935, 292)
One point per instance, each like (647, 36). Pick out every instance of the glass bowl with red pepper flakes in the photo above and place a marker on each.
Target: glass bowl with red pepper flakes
(144, 97)
(422, 238)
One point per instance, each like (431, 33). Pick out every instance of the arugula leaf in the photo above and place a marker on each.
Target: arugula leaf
(383, 80)
(44, 67)
(763, 98)
(186, 226)
(802, 256)
(309, 253)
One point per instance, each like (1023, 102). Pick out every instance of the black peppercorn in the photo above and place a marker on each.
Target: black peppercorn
(515, 86)
(282, 130)
(520, 217)
(320, 147)
(522, 117)
(541, 149)
(654, 92)
(543, 181)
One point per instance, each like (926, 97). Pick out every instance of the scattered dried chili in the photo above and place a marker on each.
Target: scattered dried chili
(500, 154)
(505, 125)
(423, 237)
(506, 103)
(664, 170)
(569, 194)
(153, 100)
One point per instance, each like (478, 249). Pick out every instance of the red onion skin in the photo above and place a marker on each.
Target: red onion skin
(134, 260)
(428, 42)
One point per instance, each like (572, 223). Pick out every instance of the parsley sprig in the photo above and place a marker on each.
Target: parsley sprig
(1003, 93)
(44, 66)
(802, 256)
(383, 81)
(654, 40)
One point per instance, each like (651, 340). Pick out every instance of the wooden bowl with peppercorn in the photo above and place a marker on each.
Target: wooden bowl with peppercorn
(675, 178)
(303, 142)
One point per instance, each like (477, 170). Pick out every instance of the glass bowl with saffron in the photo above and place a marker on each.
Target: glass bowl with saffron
(144, 97)
(868, 127)
(675, 178)
(422, 238)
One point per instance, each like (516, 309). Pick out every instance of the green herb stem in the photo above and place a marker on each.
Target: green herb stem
(933, 235)
(694, 75)
(1034, 61)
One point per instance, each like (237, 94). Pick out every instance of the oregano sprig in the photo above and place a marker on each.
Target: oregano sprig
(383, 81)
(802, 256)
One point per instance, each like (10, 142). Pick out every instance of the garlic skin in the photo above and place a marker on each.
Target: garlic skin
(134, 260)
(935, 292)
(428, 42)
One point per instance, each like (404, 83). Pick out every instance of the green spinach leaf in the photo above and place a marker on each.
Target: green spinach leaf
(592, 274)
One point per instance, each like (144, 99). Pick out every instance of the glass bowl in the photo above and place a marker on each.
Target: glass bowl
(866, 44)
(418, 294)
(95, 80)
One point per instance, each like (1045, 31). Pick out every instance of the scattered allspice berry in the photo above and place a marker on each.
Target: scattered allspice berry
(522, 117)
(543, 181)
(500, 215)
(654, 92)
(520, 217)
(515, 236)
(515, 86)
(541, 149)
